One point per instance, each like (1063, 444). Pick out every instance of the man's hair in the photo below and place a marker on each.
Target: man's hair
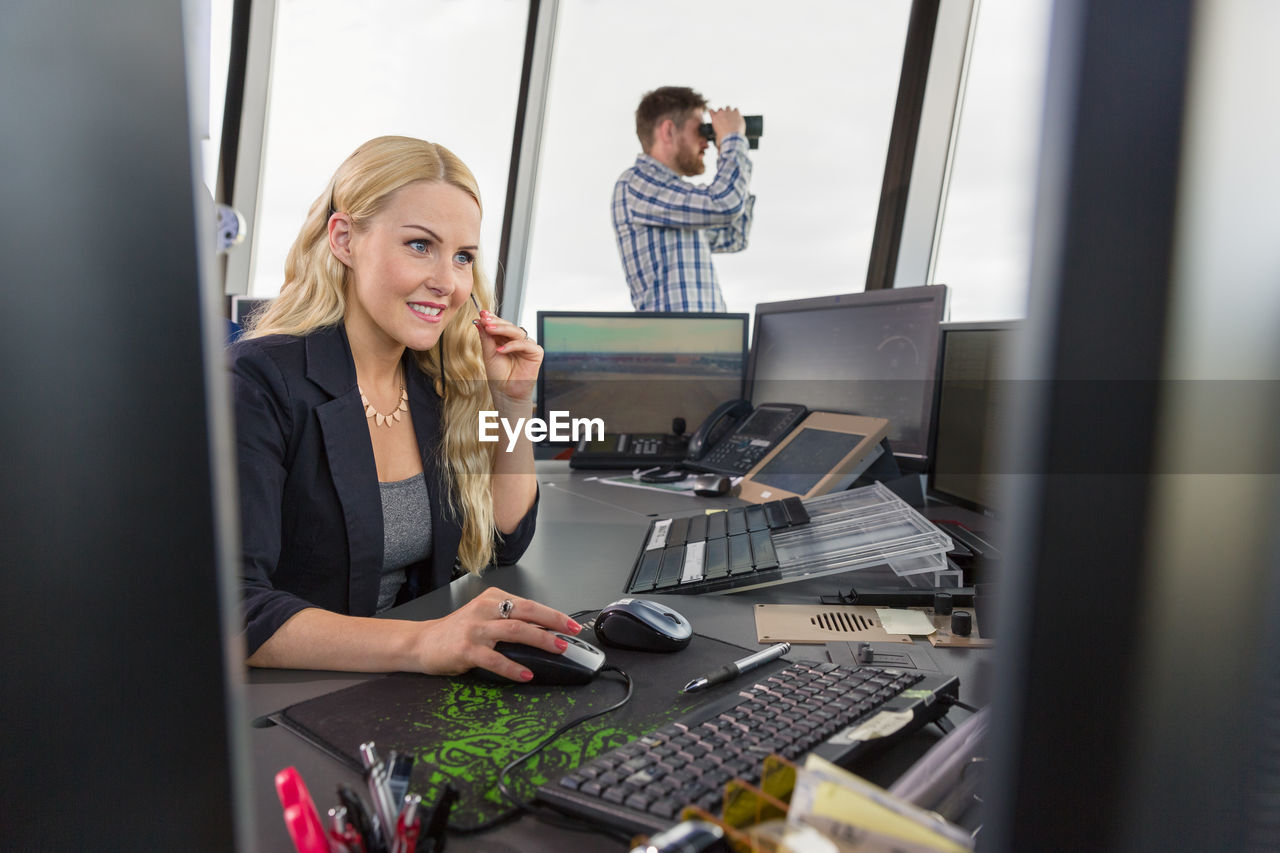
(665, 102)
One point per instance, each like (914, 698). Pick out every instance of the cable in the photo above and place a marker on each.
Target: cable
(522, 807)
(952, 701)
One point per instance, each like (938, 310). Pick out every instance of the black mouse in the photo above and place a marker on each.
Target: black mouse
(635, 623)
(577, 664)
(711, 485)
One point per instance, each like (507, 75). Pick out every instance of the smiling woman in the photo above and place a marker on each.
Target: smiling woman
(362, 478)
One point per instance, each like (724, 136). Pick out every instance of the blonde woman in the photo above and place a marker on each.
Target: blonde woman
(357, 393)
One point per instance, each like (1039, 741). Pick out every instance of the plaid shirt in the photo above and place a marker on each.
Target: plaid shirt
(668, 228)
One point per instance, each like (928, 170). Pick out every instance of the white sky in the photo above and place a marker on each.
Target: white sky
(824, 75)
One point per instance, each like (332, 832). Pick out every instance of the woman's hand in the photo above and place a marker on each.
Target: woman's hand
(511, 361)
(465, 638)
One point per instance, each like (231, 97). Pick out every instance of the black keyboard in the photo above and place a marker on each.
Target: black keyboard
(837, 712)
(712, 553)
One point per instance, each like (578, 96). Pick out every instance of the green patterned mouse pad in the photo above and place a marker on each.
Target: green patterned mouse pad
(462, 730)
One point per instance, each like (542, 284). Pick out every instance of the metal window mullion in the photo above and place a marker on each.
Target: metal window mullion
(246, 190)
(517, 223)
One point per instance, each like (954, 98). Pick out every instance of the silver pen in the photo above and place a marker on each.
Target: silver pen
(384, 810)
(730, 671)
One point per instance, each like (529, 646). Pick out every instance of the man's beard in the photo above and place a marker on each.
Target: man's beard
(689, 161)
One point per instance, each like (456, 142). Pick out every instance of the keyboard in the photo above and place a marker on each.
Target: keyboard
(838, 712)
(712, 553)
(627, 450)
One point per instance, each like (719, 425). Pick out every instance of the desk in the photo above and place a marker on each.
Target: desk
(588, 534)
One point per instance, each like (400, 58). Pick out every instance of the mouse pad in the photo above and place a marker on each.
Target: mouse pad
(462, 730)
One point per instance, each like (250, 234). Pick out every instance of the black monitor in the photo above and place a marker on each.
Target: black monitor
(244, 307)
(873, 354)
(637, 371)
(972, 387)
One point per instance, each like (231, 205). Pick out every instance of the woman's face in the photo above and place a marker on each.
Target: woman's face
(411, 266)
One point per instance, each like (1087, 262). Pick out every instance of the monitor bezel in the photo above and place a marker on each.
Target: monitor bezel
(931, 489)
(540, 409)
(937, 294)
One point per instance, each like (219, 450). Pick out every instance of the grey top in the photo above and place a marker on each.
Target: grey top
(406, 537)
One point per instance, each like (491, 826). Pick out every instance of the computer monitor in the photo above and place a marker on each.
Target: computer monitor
(873, 354)
(972, 388)
(637, 371)
(244, 307)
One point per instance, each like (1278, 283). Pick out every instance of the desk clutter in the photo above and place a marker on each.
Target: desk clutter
(462, 730)
(709, 757)
(823, 623)
(790, 540)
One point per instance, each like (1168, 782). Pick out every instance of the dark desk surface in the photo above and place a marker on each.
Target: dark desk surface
(588, 534)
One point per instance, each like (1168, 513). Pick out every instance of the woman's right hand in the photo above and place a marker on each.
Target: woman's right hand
(465, 638)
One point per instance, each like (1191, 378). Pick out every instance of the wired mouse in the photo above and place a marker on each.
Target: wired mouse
(577, 664)
(711, 485)
(636, 623)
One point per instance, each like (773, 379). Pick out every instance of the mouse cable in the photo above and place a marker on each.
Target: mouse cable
(522, 807)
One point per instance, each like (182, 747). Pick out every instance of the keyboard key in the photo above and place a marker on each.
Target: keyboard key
(716, 526)
(672, 567)
(762, 553)
(739, 554)
(645, 784)
(717, 559)
(647, 574)
(796, 511)
(679, 529)
(776, 515)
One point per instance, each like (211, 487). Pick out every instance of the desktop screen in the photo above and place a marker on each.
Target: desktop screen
(873, 354)
(244, 307)
(970, 394)
(638, 371)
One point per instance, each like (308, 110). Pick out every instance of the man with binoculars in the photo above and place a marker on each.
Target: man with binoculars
(667, 227)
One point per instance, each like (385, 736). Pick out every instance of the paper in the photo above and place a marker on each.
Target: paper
(847, 807)
(895, 621)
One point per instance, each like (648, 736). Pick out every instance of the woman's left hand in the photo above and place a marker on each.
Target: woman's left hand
(511, 359)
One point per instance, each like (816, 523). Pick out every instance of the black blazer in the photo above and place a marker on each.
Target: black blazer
(310, 506)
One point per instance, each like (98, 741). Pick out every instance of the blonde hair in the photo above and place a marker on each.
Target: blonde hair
(314, 297)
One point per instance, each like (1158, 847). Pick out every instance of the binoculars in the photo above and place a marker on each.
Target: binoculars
(755, 129)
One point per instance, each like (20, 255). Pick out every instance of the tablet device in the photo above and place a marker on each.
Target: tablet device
(826, 453)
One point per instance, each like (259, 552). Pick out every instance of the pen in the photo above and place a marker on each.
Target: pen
(384, 809)
(357, 817)
(731, 671)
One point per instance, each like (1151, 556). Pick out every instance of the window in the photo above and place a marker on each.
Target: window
(984, 251)
(343, 73)
(825, 81)
(210, 51)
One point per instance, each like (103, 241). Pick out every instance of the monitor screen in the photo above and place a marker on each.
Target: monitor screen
(244, 307)
(639, 371)
(971, 389)
(873, 354)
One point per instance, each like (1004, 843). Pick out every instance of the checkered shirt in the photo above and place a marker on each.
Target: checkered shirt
(668, 228)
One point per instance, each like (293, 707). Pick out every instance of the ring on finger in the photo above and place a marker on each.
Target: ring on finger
(526, 332)
(505, 607)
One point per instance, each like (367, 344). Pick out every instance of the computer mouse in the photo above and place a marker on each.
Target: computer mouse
(577, 664)
(635, 623)
(710, 485)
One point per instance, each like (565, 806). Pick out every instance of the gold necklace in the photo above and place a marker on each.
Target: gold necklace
(377, 417)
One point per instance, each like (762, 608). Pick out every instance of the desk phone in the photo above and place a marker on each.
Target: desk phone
(735, 437)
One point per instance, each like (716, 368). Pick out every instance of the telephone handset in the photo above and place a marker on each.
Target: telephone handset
(735, 437)
(726, 416)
